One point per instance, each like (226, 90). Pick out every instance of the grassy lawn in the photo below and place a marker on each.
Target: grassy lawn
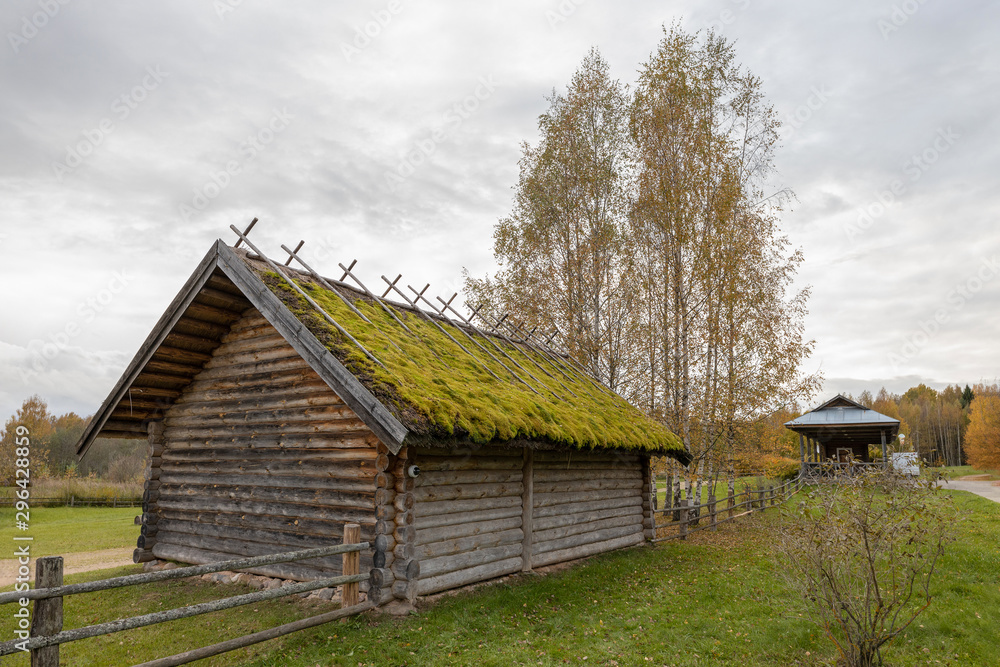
(63, 530)
(717, 599)
(954, 472)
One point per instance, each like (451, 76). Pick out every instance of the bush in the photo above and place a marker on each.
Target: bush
(861, 551)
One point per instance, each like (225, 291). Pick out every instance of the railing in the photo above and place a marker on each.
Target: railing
(827, 469)
(687, 517)
(45, 634)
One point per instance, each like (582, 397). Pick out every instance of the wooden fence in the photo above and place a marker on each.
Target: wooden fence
(687, 517)
(45, 634)
(77, 501)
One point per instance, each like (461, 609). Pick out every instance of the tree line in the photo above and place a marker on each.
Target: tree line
(954, 426)
(53, 440)
(644, 230)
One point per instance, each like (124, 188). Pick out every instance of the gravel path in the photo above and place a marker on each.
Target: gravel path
(84, 561)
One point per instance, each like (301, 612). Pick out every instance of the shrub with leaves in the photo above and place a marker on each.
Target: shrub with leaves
(861, 548)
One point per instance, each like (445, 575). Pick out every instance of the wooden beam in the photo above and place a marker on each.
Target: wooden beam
(372, 412)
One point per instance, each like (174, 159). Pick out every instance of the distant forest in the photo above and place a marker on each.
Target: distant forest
(53, 442)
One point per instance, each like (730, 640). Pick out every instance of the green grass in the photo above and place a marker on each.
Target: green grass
(127, 648)
(62, 530)
(954, 472)
(717, 599)
(436, 388)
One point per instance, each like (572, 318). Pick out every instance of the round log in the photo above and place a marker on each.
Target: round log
(467, 529)
(142, 556)
(408, 569)
(433, 567)
(471, 543)
(469, 575)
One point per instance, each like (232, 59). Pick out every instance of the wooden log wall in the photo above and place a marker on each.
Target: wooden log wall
(150, 495)
(586, 503)
(260, 456)
(467, 516)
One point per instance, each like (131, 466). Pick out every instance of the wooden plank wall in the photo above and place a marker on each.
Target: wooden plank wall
(467, 516)
(585, 503)
(260, 456)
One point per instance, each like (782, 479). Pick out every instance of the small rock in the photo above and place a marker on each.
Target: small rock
(399, 608)
(273, 583)
(325, 593)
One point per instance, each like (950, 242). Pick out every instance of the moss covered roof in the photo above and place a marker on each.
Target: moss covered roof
(437, 389)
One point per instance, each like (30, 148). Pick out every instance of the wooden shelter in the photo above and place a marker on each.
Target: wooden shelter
(280, 405)
(840, 430)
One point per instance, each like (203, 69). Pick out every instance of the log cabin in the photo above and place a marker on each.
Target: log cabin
(280, 405)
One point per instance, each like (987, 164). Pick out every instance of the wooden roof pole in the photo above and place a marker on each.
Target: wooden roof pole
(566, 370)
(390, 311)
(308, 298)
(529, 334)
(441, 312)
(387, 309)
(392, 287)
(447, 306)
(244, 234)
(323, 281)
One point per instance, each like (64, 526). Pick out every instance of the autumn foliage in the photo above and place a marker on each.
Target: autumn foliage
(982, 440)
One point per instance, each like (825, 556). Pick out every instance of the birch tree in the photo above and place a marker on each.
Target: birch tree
(562, 248)
(644, 228)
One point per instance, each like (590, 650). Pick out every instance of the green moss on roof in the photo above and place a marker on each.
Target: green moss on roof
(436, 388)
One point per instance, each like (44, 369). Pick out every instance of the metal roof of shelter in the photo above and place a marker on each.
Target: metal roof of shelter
(843, 421)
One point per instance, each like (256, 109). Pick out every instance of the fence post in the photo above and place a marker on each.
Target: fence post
(683, 526)
(351, 564)
(712, 513)
(48, 617)
(731, 498)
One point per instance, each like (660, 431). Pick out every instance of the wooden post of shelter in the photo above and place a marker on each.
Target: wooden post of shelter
(48, 616)
(802, 452)
(885, 457)
(351, 565)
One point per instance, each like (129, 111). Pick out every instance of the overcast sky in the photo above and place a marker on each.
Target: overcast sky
(133, 134)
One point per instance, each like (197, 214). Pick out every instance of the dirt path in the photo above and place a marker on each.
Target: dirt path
(85, 561)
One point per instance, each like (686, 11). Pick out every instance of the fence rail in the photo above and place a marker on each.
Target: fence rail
(46, 634)
(688, 517)
(77, 501)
